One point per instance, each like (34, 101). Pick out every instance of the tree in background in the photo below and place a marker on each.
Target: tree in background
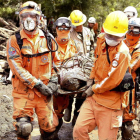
(56, 8)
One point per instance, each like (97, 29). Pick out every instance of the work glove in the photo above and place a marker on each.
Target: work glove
(49, 89)
(88, 92)
(90, 82)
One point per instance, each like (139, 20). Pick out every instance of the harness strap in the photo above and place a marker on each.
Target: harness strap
(107, 53)
(20, 43)
(19, 40)
(135, 50)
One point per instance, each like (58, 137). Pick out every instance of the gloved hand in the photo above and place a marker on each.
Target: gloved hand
(49, 89)
(88, 92)
(90, 82)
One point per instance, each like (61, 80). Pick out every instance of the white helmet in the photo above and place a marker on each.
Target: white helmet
(130, 12)
(92, 20)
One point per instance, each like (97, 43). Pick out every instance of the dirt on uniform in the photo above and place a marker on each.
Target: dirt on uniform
(6, 122)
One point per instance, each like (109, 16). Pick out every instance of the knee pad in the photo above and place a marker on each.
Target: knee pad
(24, 126)
(127, 130)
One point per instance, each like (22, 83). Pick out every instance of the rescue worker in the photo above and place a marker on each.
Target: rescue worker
(130, 12)
(133, 43)
(66, 49)
(91, 22)
(81, 36)
(34, 81)
(104, 106)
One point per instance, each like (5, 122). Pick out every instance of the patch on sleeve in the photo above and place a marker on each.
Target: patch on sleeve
(12, 51)
(44, 59)
(115, 63)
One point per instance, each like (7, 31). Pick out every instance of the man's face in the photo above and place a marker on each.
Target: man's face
(90, 25)
(79, 28)
(29, 21)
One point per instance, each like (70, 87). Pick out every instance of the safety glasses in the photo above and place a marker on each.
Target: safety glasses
(61, 22)
(130, 14)
(133, 29)
(25, 15)
(61, 28)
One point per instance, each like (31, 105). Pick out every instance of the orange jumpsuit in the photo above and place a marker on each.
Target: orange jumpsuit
(26, 72)
(104, 108)
(61, 101)
(134, 64)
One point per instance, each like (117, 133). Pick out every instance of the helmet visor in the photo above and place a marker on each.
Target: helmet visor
(31, 14)
(130, 14)
(61, 22)
(133, 29)
(61, 28)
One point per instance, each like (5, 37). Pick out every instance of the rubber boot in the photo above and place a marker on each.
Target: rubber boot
(78, 102)
(74, 120)
(51, 135)
(127, 130)
(67, 115)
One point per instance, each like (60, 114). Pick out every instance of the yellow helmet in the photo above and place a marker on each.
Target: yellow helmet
(77, 18)
(30, 6)
(116, 24)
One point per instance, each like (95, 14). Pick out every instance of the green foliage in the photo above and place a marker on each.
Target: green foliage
(96, 8)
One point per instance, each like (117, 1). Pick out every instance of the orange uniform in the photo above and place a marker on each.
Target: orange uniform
(61, 101)
(104, 108)
(134, 64)
(26, 72)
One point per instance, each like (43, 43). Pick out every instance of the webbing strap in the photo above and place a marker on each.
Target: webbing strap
(107, 54)
(19, 40)
(20, 43)
(135, 50)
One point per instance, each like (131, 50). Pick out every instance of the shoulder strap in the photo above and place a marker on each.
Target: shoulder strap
(135, 50)
(19, 40)
(107, 54)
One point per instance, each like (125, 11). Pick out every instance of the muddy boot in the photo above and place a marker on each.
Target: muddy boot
(127, 130)
(67, 115)
(51, 135)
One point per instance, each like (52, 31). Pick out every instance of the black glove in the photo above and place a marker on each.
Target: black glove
(49, 89)
(88, 92)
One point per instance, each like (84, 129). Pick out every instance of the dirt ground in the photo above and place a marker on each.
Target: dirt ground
(7, 130)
